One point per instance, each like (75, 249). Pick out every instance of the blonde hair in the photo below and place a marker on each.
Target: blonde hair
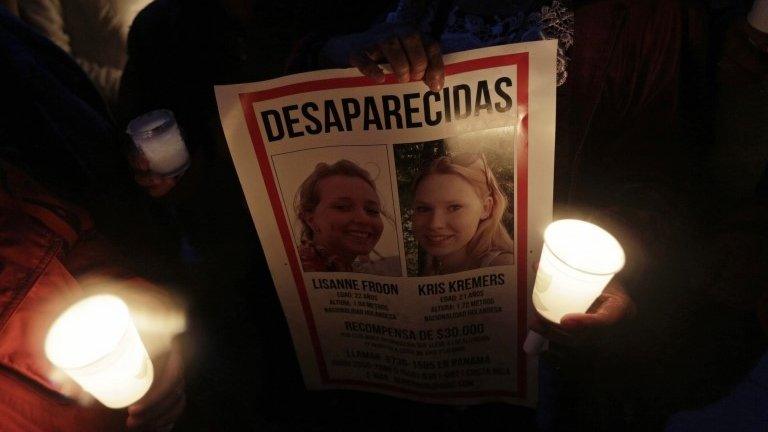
(491, 235)
(308, 196)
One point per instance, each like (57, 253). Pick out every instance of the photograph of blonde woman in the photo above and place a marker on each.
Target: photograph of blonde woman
(340, 220)
(456, 215)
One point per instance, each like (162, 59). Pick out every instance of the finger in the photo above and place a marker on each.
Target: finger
(138, 161)
(434, 76)
(171, 415)
(374, 53)
(133, 161)
(167, 382)
(367, 66)
(148, 179)
(417, 57)
(580, 322)
(398, 60)
(155, 185)
(610, 311)
(162, 189)
(616, 297)
(158, 401)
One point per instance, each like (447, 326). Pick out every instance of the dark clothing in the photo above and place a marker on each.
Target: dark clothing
(626, 156)
(743, 410)
(730, 244)
(620, 155)
(177, 52)
(623, 160)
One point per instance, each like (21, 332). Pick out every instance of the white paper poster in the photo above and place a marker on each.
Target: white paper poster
(400, 224)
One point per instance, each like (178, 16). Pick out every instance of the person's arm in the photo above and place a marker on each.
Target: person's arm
(612, 308)
(148, 42)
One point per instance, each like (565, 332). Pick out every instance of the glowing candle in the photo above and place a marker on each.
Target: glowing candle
(96, 343)
(577, 262)
(158, 137)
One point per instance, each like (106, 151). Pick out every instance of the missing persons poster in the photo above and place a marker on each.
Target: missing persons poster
(401, 225)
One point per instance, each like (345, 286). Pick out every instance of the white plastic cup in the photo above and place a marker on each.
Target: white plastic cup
(758, 16)
(157, 136)
(95, 342)
(577, 262)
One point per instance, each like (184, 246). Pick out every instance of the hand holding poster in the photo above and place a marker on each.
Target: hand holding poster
(399, 223)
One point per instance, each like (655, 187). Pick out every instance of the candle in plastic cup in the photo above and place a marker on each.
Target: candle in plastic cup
(577, 262)
(158, 137)
(96, 344)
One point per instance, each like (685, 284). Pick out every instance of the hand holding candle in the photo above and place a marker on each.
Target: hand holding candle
(96, 343)
(154, 184)
(577, 262)
(161, 155)
(611, 308)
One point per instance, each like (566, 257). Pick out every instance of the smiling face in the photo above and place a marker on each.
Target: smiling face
(446, 213)
(347, 219)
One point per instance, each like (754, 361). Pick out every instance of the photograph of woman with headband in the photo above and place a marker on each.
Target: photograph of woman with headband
(342, 221)
(456, 216)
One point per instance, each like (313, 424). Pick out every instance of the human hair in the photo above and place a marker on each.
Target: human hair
(308, 196)
(491, 235)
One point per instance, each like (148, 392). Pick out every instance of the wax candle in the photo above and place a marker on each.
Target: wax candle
(577, 262)
(158, 137)
(95, 342)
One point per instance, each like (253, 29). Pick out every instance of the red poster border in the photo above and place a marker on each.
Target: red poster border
(521, 60)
